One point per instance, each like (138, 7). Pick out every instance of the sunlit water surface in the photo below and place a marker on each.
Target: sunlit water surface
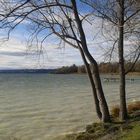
(43, 106)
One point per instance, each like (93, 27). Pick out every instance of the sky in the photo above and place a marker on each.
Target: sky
(15, 53)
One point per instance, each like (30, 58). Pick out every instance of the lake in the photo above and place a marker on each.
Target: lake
(45, 106)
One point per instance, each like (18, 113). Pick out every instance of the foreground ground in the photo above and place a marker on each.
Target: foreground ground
(129, 130)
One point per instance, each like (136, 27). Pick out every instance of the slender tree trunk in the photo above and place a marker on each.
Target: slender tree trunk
(97, 80)
(123, 106)
(100, 93)
(97, 106)
(99, 90)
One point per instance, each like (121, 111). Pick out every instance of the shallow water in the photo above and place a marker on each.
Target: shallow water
(43, 106)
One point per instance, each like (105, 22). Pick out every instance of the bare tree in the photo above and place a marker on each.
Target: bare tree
(62, 19)
(123, 18)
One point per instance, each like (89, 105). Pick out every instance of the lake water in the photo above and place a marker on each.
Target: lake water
(43, 106)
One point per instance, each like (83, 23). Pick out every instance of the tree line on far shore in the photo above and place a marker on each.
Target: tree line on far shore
(104, 67)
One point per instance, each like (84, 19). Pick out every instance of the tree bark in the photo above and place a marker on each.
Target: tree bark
(97, 106)
(97, 80)
(123, 106)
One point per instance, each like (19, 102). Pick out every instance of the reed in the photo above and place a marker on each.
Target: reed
(132, 107)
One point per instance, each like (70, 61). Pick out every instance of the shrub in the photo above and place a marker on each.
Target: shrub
(134, 106)
(115, 111)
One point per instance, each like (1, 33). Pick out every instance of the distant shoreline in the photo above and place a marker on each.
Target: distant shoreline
(51, 71)
(14, 71)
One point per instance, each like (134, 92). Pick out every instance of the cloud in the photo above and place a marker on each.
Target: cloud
(15, 54)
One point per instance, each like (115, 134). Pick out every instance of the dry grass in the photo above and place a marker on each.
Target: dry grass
(115, 111)
(132, 107)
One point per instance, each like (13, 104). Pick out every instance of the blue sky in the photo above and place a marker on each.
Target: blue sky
(15, 53)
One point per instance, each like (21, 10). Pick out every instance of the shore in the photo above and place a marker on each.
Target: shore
(117, 130)
(113, 131)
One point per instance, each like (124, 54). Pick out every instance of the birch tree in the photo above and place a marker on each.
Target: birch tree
(123, 18)
(64, 20)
